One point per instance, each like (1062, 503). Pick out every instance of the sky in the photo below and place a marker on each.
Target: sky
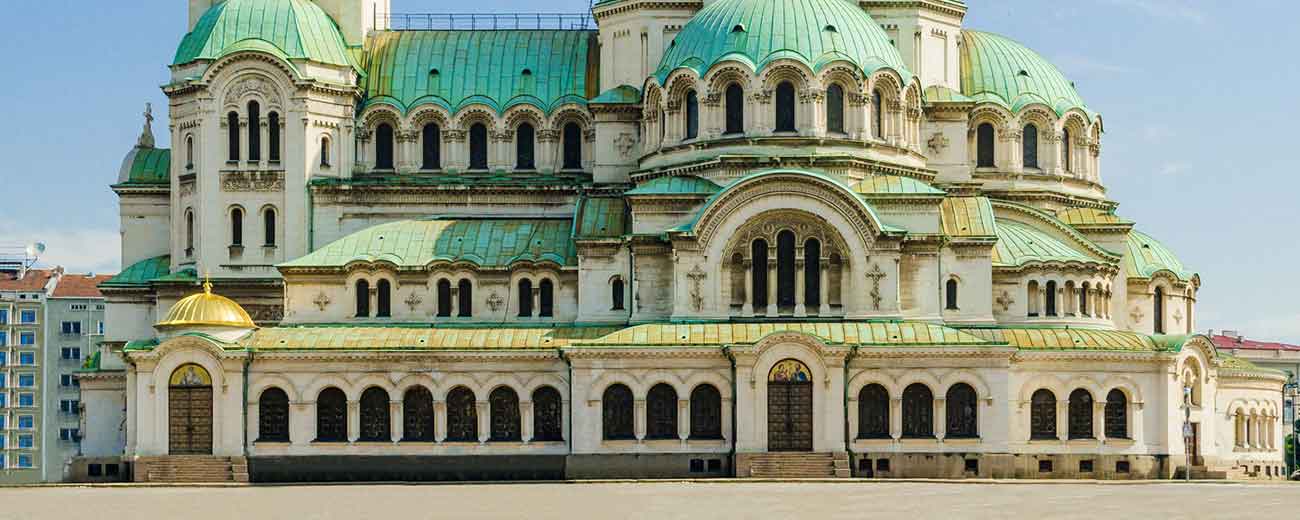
(1197, 148)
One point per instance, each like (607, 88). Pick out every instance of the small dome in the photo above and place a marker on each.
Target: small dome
(815, 32)
(207, 310)
(1000, 70)
(290, 29)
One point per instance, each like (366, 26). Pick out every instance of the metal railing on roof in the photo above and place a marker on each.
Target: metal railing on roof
(485, 22)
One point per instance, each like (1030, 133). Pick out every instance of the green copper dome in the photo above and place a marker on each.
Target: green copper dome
(290, 29)
(999, 70)
(815, 32)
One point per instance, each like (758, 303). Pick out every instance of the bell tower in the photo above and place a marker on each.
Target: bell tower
(926, 33)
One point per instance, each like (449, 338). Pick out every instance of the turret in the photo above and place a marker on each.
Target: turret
(926, 34)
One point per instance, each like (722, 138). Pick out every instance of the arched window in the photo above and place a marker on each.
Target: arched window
(464, 298)
(525, 298)
(1158, 311)
(1032, 299)
(254, 132)
(1042, 415)
(984, 145)
(692, 115)
(812, 274)
(548, 415)
(873, 412)
(444, 298)
(785, 107)
(232, 136)
(363, 299)
(546, 294)
(758, 271)
(835, 108)
(962, 409)
(1065, 150)
(384, 294)
(877, 115)
(1049, 297)
(478, 147)
(325, 152)
(268, 227)
(462, 415)
(918, 411)
(1029, 146)
(236, 226)
(189, 232)
(706, 412)
(524, 147)
(785, 269)
(572, 146)
(1080, 417)
(331, 416)
(1116, 414)
(661, 412)
(616, 294)
(189, 152)
(616, 413)
(1085, 291)
(737, 280)
(273, 136)
(417, 415)
(735, 101)
(430, 141)
(273, 416)
(950, 295)
(384, 147)
(503, 405)
(376, 425)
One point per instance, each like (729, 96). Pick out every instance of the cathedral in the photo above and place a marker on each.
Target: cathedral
(686, 238)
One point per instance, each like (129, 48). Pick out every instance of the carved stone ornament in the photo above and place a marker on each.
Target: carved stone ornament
(413, 301)
(1178, 316)
(937, 142)
(624, 143)
(1005, 301)
(494, 301)
(697, 277)
(322, 301)
(1136, 313)
(875, 274)
(244, 87)
(256, 181)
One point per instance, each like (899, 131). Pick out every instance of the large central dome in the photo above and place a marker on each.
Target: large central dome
(815, 32)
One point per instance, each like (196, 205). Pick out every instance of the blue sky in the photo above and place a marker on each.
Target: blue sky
(1193, 94)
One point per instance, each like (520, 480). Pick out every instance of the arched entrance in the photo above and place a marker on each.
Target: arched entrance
(189, 407)
(789, 407)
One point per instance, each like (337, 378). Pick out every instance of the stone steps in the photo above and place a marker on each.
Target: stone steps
(800, 465)
(194, 468)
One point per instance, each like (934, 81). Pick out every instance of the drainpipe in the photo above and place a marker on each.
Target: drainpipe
(568, 439)
(844, 385)
(248, 360)
(629, 293)
(731, 357)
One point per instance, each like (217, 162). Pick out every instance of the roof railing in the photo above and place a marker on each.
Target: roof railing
(485, 22)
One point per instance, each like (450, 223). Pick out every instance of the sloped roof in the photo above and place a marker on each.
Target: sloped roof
(1062, 338)
(942, 94)
(146, 166)
(1234, 342)
(1147, 256)
(601, 217)
(141, 273)
(1019, 244)
(852, 333)
(678, 185)
(80, 286)
(999, 70)
(886, 185)
(33, 280)
(1090, 217)
(485, 242)
(967, 217)
(290, 29)
(620, 95)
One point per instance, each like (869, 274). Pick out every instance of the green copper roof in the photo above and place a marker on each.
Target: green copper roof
(500, 69)
(682, 185)
(1090, 217)
(1147, 256)
(941, 94)
(620, 95)
(140, 273)
(601, 217)
(1019, 244)
(290, 29)
(146, 166)
(887, 334)
(1061, 338)
(999, 70)
(485, 242)
(417, 338)
(885, 185)
(967, 217)
(815, 32)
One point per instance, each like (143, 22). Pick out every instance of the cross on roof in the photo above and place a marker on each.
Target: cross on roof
(875, 274)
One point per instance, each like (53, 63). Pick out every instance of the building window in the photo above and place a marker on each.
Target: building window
(616, 413)
(1080, 414)
(273, 416)
(835, 108)
(383, 295)
(525, 298)
(524, 147)
(1029, 146)
(1032, 295)
(877, 116)
(444, 298)
(331, 416)
(236, 227)
(417, 415)
(1065, 150)
(232, 136)
(785, 258)
(548, 416)
(26, 400)
(69, 434)
(758, 273)
(547, 297)
(27, 316)
(873, 412)
(376, 423)
(71, 353)
(785, 107)
(70, 406)
(962, 409)
(26, 441)
(812, 274)
(363, 299)
(68, 380)
(4, 316)
(462, 415)
(735, 101)
(1042, 415)
(268, 227)
(1049, 296)
(616, 294)
(950, 295)
(24, 461)
(254, 131)
(430, 139)
(27, 358)
(984, 145)
(692, 115)
(26, 380)
(1085, 291)
(189, 233)
(26, 338)
(273, 135)
(1116, 414)
(706, 412)
(384, 147)
(1158, 313)
(26, 422)
(464, 299)
(478, 147)
(325, 152)
(189, 152)
(503, 405)
(572, 147)
(918, 411)
(661, 412)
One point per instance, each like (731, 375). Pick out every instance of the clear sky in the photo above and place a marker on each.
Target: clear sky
(1194, 93)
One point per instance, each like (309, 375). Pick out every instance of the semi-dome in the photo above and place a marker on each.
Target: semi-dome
(1000, 70)
(207, 310)
(815, 32)
(290, 29)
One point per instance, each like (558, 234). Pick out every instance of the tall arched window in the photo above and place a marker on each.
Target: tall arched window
(546, 294)
(273, 416)
(525, 298)
(189, 152)
(444, 298)
(785, 107)
(548, 415)
(376, 425)
(706, 412)
(331, 416)
(1049, 297)
(661, 412)
(785, 268)
(1042, 415)
(462, 415)
(189, 232)
(1065, 150)
(758, 272)
(478, 147)
(572, 146)
(1116, 414)
(363, 299)
(384, 147)
(273, 136)
(984, 145)
(232, 136)
(254, 131)
(1085, 291)
(1029, 145)
(877, 115)
(503, 408)
(962, 409)
(430, 145)
(616, 413)
(735, 101)
(236, 226)
(464, 298)
(1080, 417)
(812, 274)
(616, 294)
(384, 295)
(1032, 299)
(950, 295)
(835, 108)
(918, 411)
(524, 147)
(873, 412)
(417, 415)
(692, 115)
(325, 152)
(268, 227)
(1158, 310)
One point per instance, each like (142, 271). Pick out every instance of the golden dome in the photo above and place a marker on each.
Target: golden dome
(207, 309)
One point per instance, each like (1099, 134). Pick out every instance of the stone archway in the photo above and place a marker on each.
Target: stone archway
(789, 407)
(189, 411)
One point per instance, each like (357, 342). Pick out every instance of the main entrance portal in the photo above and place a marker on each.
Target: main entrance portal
(789, 407)
(189, 406)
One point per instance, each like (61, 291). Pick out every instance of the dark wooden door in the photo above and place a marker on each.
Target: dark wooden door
(789, 416)
(189, 429)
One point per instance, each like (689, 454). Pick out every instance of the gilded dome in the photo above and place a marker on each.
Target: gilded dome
(815, 32)
(290, 29)
(1000, 70)
(207, 310)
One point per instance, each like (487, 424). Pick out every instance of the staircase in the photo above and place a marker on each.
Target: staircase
(192, 468)
(799, 465)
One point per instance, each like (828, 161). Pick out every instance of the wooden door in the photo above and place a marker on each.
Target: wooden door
(190, 420)
(789, 416)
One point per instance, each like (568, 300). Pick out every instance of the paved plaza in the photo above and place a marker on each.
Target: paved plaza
(666, 500)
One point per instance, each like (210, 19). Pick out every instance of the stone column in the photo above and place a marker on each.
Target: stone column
(800, 309)
(683, 419)
(264, 155)
(440, 420)
(941, 418)
(354, 420)
(243, 138)
(638, 420)
(823, 289)
(396, 425)
(896, 417)
(537, 300)
(771, 284)
(484, 416)
(1099, 420)
(455, 301)
(1062, 419)
(748, 309)
(302, 424)
(526, 426)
